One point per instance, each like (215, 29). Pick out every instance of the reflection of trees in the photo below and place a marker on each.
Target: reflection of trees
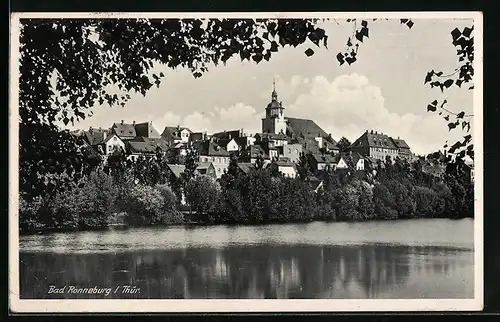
(264, 271)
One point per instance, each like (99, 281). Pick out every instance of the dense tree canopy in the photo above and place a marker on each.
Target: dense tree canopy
(67, 66)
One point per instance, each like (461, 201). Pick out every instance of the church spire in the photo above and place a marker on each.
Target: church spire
(274, 95)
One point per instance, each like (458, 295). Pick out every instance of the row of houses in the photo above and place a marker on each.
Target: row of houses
(282, 142)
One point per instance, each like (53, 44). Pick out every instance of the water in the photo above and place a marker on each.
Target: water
(425, 258)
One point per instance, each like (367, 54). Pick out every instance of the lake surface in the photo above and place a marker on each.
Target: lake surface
(424, 258)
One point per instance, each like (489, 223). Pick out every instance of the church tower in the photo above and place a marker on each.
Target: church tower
(274, 122)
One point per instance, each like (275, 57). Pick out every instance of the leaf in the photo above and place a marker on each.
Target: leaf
(410, 24)
(403, 21)
(461, 115)
(434, 103)
(448, 83)
(340, 58)
(274, 46)
(350, 59)
(447, 117)
(359, 36)
(431, 108)
(349, 43)
(444, 102)
(428, 77)
(257, 58)
(467, 32)
(364, 23)
(451, 126)
(459, 82)
(309, 52)
(325, 41)
(455, 33)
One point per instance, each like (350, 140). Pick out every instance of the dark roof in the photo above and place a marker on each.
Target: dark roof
(223, 142)
(323, 158)
(377, 140)
(196, 136)
(177, 169)
(227, 134)
(241, 141)
(141, 147)
(209, 148)
(401, 144)
(173, 131)
(124, 130)
(93, 137)
(305, 127)
(253, 151)
(147, 130)
(308, 144)
(274, 104)
(246, 167)
(272, 136)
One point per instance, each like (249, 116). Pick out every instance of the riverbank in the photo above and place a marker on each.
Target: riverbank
(194, 224)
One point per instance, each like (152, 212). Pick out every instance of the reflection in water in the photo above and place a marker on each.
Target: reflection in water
(258, 272)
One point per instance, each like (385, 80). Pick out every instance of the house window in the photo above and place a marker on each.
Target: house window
(289, 150)
(296, 151)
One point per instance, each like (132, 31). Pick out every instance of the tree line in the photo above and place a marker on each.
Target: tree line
(145, 192)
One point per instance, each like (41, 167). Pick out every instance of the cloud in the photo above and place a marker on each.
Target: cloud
(237, 116)
(348, 105)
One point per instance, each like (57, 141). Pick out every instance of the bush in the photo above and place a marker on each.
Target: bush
(384, 203)
(170, 213)
(29, 214)
(143, 206)
(203, 194)
(427, 202)
(95, 201)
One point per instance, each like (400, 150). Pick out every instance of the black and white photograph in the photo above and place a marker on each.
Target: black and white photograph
(246, 162)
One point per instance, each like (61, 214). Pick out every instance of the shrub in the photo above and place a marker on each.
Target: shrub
(170, 214)
(384, 203)
(427, 202)
(29, 214)
(203, 194)
(143, 205)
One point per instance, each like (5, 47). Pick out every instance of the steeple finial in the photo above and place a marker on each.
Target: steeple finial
(274, 95)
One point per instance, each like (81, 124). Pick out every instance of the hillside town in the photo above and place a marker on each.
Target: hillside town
(281, 144)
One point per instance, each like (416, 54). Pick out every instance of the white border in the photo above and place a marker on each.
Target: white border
(47, 306)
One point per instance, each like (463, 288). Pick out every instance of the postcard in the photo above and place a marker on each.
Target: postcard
(246, 162)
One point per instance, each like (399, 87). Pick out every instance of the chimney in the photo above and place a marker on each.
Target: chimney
(91, 129)
(371, 132)
(178, 127)
(122, 122)
(133, 122)
(104, 134)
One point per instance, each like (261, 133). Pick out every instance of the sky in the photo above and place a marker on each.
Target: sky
(382, 91)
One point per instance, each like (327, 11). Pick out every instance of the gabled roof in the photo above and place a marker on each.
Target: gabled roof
(146, 130)
(157, 142)
(223, 142)
(304, 127)
(209, 148)
(323, 158)
(176, 169)
(272, 136)
(109, 137)
(94, 137)
(401, 144)
(374, 139)
(227, 134)
(241, 141)
(314, 183)
(246, 167)
(141, 147)
(253, 151)
(124, 130)
(173, 132)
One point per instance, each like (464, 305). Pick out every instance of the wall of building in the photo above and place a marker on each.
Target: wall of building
(287, 171)
(292, 151)
(113, 144)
